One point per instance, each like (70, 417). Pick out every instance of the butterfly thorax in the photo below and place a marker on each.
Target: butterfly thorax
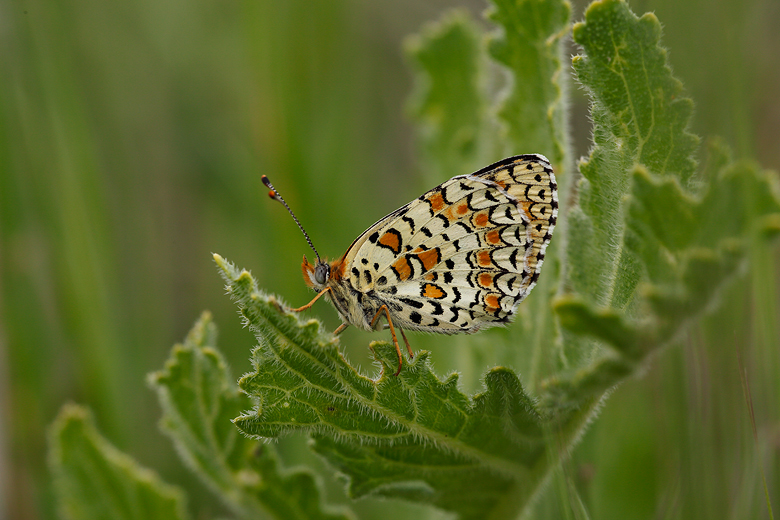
(350, 303)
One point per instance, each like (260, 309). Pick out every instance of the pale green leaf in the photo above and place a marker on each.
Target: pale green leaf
(447, 101)
(530, 46)
(93, 480)
(648, 222)
(640, 116)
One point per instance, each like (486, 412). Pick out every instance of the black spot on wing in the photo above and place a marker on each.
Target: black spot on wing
(445, 221)
(412, 303)
(464, 226)
(513, 259)
(409, 221)
(468, 202)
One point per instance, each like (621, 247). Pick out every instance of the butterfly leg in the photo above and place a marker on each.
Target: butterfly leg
(300, 309)
(340, 329)
(408, 348)
(384, 309)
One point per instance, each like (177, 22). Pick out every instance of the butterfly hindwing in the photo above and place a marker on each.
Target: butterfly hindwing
(463, 255)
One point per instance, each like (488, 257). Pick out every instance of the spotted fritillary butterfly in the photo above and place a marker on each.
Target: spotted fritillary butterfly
(459, 258)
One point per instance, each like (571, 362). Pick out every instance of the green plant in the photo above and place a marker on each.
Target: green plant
(641, 255)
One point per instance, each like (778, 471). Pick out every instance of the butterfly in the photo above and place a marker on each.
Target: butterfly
(457, 259)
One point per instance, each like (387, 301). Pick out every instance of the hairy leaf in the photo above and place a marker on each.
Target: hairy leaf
(643, 222)
(199, 401)
(640, 117)
(412, 436)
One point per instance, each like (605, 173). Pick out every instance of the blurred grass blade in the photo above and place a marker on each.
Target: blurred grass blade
(752, 416)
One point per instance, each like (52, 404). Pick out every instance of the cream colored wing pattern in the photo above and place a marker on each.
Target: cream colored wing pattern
(462, 256)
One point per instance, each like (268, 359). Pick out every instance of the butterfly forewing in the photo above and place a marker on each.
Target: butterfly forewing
(463, 255)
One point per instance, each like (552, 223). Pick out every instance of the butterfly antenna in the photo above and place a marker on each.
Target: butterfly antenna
(275, 195)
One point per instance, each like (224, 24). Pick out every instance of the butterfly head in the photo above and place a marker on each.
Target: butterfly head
(316, 275)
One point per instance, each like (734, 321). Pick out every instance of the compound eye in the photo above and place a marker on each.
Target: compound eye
(321, 273)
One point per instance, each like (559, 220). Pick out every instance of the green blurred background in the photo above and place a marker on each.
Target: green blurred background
(132, 139)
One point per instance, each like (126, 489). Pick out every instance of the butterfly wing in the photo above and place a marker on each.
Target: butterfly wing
(463, 255)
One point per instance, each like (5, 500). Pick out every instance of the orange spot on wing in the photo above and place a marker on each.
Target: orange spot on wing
(392, 241)
(436, 201)
(462, 209)
(491, 302)
(430, 277)
(432, 291)
(429, 258)
(483, 258)
(502, 184)
(403, 268)
(481, 219)
(485, 279)
(493, 236)
(526, 205)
